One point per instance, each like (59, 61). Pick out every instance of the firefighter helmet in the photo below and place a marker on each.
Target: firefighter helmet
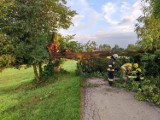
(115, 56)
(135, 65)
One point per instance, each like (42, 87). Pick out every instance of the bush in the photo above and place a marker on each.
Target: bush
(151, 65)
(92, 67)
(97, 67)
(49, 68)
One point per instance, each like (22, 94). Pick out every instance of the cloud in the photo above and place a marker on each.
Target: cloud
(122, 36)
(109, 9)
(87, 16)
(125, 7)
(135, 12)
(76, 20)
(111, 22)
(126, 20)
(121, 13)
(137, 6)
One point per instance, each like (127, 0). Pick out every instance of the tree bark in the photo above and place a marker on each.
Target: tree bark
(40, 70)
(36, 73)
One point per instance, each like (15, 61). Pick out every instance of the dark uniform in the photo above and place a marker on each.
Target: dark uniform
(111, 69)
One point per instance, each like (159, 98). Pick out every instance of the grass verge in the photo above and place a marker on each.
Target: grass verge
(58, 99)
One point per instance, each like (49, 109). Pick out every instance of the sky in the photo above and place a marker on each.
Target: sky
(104, 21)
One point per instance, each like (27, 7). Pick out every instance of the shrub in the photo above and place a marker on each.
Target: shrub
(97, 67)
(92, 67)
(49, 68)
(151, 65)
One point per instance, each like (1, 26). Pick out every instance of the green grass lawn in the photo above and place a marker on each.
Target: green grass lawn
(11, 78)
(57, 99)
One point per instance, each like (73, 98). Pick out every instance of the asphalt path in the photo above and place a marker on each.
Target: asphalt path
(103, 102)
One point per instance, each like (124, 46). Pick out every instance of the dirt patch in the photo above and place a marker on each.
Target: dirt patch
(104, 102)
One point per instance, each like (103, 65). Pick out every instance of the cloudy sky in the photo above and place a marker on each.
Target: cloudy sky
(105, 21)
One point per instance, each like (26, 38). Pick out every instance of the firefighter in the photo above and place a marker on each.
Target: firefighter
(111, 68)
(136, 73)
(126, 68)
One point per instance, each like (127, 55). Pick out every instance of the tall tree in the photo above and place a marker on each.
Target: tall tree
(148, 26)
(28, 23)
(131, 47)
(7, 59)
(104, 47)
(90, 46)
(116, 48)
(68, 43)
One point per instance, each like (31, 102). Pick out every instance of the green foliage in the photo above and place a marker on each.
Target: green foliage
(6, 52)
(104, 47)
(151, 65)
(90, 46)
(116, 48)
(6, 61)
(74, 46)
(97, 67)
(148, 27)
(28, 23)
(132, 48)
(156, 8)
(148, 89)
(149, 92)
(49, 68)
(122, 60)
(92, 67)
(68, 43)
(6, 44)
